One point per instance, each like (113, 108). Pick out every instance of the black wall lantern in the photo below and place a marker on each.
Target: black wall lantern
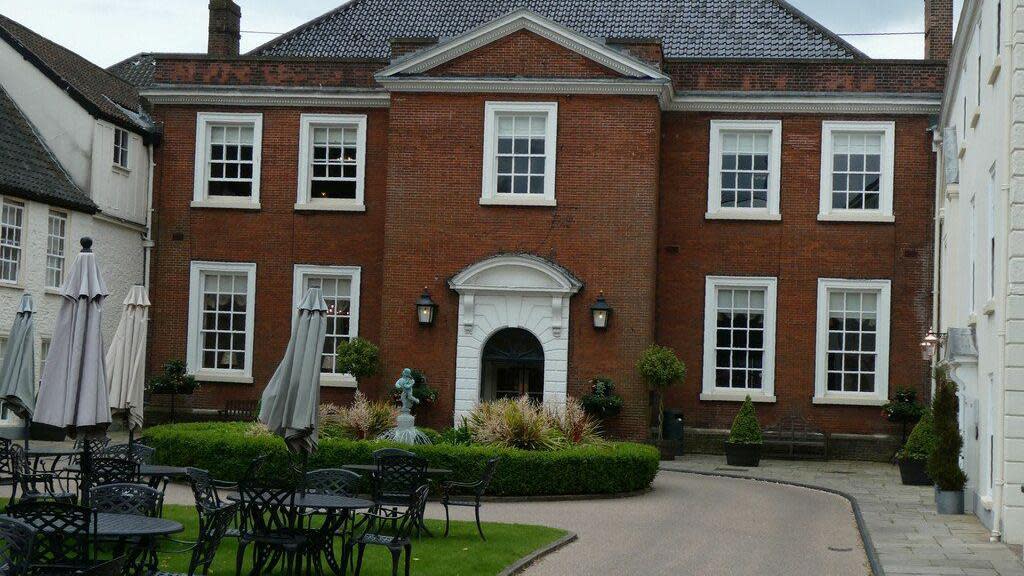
(601, 312)
(426, 309)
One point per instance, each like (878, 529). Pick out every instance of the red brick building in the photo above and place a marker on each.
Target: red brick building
(741, 185)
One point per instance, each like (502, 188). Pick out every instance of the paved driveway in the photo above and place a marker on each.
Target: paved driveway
(699, 525)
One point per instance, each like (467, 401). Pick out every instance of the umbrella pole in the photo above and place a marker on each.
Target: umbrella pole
(28, 429)
(131, 429)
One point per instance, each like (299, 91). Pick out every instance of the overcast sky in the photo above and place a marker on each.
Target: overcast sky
(107, 31)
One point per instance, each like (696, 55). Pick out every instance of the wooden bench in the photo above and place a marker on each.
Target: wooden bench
(794, 438)
(235, 410)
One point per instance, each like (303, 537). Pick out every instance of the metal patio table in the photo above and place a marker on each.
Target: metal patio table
(149, 470)
(335, 509)
(373, 468)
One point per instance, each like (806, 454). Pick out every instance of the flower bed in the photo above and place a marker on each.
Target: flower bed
(226, 448)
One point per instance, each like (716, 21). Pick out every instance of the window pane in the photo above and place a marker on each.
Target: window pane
(230, 161)
(11, 226)
(739, 350)
(856, 170)
(336, 292)
(851, 341)
(224, 325)
(745, 169)
(521, 153)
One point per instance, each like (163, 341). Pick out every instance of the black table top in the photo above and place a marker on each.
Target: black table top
(123, 525)
(323, 502)
(149, 470)
(373, 468)
(52, 451)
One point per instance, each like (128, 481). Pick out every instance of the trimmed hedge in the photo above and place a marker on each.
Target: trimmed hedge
(226, 450)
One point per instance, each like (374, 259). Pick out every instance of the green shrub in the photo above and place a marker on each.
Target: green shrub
(660, 368)
(512, 423)
(358, 357)
(573, 425)
(745, 429)
(458, 436)
(174, 380)
(225, 450)
(602, 401)
(944, 458)
(921, 441)
(362, 420)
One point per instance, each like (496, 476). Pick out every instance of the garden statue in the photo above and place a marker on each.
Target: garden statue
(406, 431)
(404, 385)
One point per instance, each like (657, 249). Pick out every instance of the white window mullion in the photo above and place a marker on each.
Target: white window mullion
(56, 240)
(519, 153)
(12, 222)
(857, 164)
(332, 162)
(745, 170)
(228, 160)
(852, 342)
(221, 319)
(340, 286)
(739, 338)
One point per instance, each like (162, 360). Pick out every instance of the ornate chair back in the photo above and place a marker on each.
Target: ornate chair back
(397, 478)
(138, 453)
(62, 532)
(203, 488)
(103, 471)
(16, 542)
(266, 510)
(332, 481)
(213, 524)
(488, 475)
(135, 499)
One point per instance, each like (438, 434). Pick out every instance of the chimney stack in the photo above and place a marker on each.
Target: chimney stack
(938, 29)
(225, 28)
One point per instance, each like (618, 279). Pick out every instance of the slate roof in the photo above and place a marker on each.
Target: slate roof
(136, 70)
(28, 169)
(687, 28)
(103, 94)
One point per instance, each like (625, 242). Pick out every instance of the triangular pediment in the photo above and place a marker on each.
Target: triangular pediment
(514, 34)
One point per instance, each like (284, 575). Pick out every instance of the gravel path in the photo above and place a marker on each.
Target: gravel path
(700, 525)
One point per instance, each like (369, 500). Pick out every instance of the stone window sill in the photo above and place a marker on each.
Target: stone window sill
(225, 377)
(848, 401)
(727, 397)
(225, 205)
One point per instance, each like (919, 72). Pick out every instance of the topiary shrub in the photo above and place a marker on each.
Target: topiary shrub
(358, 357)
(921, 441)
(903, 409)
(745, 428)
(225, 449)
(602, 401)
(660, 368)
(944, 458)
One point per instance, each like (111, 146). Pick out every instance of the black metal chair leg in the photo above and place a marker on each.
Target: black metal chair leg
(447, 520)
(478, 527)
(408, 558)
(359, 558)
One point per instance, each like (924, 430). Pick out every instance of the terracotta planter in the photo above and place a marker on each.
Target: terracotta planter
(745, 455)
(914, 472)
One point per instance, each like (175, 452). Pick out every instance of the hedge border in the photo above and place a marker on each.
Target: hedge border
(611, 470)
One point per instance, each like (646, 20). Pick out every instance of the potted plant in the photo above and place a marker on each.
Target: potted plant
(904, 410)
(944, 459)
(602, 402)
(358, 357)
(175, 380)
(743, 448)
(660, 368)
(421, 390)
(913, 457)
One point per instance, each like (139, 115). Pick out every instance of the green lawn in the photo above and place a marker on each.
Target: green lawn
(462, 553)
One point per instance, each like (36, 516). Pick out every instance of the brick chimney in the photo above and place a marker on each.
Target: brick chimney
(225, 28)
(938, 29)
(403, 45)
(644, 49)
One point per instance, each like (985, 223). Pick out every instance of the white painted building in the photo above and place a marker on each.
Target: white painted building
(979, 304)
(75, 160)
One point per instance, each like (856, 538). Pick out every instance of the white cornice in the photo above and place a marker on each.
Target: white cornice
(540, 86)
(748, 102)
(260, 96)
(521, 19)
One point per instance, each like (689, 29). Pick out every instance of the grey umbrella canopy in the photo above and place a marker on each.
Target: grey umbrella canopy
(292, 398)
(126, 358)
(18, 372)
(73, 388)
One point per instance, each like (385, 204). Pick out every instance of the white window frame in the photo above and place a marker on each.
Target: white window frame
(307, 122)
(771, 211)
(195, 310)
(122, 150)
(200, 198)
(64, 245)
(884, 311)
(708, 389)
(489, 195)
(20, 265)
(885, 186)
(354, 275)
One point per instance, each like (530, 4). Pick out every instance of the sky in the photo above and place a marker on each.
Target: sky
(108, 31)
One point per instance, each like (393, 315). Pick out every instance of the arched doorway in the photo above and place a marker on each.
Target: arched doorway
(512, 366)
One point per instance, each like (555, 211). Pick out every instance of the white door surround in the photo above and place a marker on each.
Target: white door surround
(512, 291)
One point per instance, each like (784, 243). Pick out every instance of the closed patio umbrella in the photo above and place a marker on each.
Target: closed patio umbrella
(18, 371)
(126, 360)
(73, 389)
(291, 399)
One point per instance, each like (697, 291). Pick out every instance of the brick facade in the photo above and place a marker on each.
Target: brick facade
(631, 190)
